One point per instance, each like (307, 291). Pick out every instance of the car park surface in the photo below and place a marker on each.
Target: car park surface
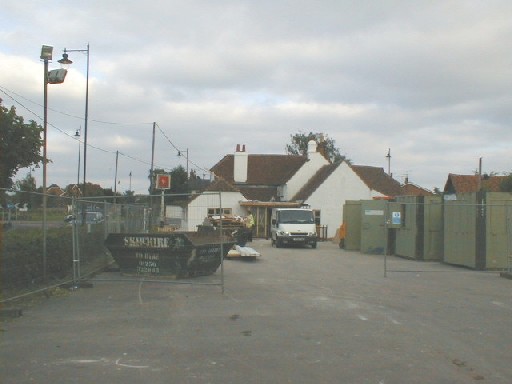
(294, 315)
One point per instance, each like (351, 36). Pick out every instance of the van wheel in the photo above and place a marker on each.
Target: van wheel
(278, 243)
(313, 245)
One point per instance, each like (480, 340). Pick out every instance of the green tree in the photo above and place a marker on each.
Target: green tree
(299, 146)
(28, 184)
(506, 184)
(129, 196)
(179, 180)
(25, 191)
(20, 144)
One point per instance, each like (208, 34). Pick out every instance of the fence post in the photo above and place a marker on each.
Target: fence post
(76, 248)
(221, 245)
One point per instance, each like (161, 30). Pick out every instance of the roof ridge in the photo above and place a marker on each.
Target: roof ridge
(315, 181)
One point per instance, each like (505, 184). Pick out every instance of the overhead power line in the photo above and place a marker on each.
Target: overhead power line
(6, 91)
(9, 93)
(72, 136)
(180, 150)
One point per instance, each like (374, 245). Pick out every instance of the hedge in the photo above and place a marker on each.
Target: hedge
(21, 254)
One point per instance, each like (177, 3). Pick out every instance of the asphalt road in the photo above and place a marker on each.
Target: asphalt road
(292, 316)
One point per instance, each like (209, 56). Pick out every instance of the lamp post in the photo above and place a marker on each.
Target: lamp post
(65, 61)
(77, 135)
(46, 55)
(52, 77)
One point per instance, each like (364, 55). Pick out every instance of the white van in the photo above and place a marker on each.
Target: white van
(293, 226)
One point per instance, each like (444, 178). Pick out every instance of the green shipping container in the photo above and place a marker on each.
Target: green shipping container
(477, 230)
(352, 221)
(373, 226)
(420, 237)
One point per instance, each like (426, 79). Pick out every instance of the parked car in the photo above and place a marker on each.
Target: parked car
(90, 218)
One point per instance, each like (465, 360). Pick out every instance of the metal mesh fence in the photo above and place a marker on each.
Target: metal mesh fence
(42, 247)
(64, 243)
(472, 231)
(509, 238)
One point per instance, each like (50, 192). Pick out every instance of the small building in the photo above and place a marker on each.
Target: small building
(219, 199)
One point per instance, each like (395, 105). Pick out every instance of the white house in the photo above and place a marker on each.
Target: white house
(262, 182)
(333, 184)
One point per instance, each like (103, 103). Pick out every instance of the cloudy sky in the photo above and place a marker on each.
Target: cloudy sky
(431, 80)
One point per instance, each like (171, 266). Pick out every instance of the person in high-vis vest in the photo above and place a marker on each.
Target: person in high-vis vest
(249, 224)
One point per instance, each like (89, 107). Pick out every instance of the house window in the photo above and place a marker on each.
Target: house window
(216, 211)
(317, 216)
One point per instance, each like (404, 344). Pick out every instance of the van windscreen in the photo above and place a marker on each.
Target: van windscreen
(296, 217)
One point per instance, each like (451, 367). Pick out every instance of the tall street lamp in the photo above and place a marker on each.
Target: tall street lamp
(55, 76)
(66, 61)
(77, 135)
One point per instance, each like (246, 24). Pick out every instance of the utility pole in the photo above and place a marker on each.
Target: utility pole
(115, 179)
(479, 174)
(151, 182)
(152, 177)
(188, 176)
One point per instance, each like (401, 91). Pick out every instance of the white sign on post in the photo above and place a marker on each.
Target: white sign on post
(396, 218)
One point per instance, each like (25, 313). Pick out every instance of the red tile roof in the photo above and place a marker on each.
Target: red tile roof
(221, 185)
(414, 190)
(378, 180)
(259, 193)
(472, 183)
(268, 170)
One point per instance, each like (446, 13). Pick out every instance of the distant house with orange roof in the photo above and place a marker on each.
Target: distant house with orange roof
(472, 183)
(410, 189)
(55, 190)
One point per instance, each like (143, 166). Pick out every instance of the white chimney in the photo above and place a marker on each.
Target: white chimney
(311, 148)
(240, 165)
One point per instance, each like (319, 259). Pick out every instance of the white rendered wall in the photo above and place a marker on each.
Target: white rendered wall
(343, 184)
(302, 176)
(198, 208)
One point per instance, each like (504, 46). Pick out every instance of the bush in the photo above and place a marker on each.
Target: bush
(21, 258)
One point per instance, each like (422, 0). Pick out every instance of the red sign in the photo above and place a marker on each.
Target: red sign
(163, 181)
